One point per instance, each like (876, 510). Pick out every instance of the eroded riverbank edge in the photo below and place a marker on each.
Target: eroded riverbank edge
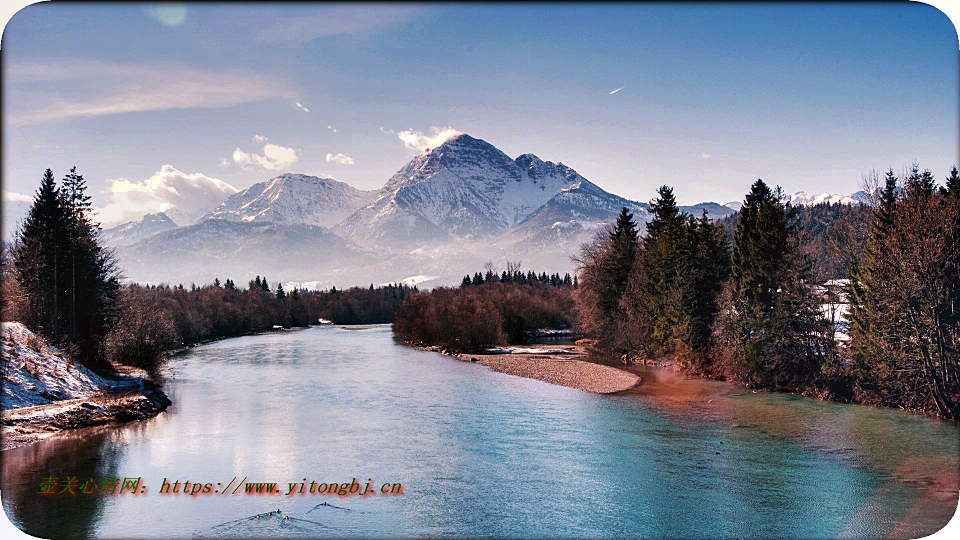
(567, 368)
(28, 425)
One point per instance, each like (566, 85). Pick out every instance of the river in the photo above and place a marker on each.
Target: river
(484, 454)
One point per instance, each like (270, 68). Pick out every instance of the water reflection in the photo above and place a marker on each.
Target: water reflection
(486, 454)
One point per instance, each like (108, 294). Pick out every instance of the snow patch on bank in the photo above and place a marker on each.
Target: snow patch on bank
(36, 373)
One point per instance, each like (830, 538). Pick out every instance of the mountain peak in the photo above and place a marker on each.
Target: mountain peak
(293, 199)
(461, 139)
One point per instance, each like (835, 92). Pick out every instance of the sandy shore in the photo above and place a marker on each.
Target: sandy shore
(563, 365)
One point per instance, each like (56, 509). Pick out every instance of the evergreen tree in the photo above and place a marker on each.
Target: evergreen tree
(466, 282)
(280, 294)
(70, 281)
(216, 282)
(953, 182)
(779, 328)
(656, 308)
(37, 259)
(705, 269)
(605, 267)
(618, 262)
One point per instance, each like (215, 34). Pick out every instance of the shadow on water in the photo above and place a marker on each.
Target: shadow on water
(93, 453)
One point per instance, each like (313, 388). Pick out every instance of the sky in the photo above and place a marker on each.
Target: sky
(158, 104)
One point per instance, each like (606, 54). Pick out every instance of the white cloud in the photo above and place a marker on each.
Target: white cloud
(274, 158)
(386, 131)
(342, 159)
(259, 138)
(420, 142)
(185, 197)
(38, 95)
(11, 197)
(704, 155)
(278, 27)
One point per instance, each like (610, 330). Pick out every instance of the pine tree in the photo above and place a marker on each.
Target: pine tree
(280, 294)
(666, 247)
(705, 269)
(466, 282)
(70, 280)
(605, 267)
(37, 259)
(779, 328)
(953, 182)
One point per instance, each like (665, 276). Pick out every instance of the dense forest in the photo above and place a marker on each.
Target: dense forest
(750, 308)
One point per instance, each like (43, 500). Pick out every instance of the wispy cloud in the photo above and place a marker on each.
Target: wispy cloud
(386, 131)
(279, 28)
(704, 155)
(274, 158)
(419, 142)
(342, 159)
(184, 196)
(43, 92)
(259, 138)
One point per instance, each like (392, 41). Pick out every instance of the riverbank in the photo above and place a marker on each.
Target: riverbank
(562, 365)
(45, 392)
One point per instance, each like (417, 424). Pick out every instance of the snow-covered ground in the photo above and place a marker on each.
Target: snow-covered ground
(36, 373)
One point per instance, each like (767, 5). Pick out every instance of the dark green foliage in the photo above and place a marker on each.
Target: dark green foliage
(778, 327)
(68, 281)
(835, 235)
(605, 266)
(953, 182)
(667, 302)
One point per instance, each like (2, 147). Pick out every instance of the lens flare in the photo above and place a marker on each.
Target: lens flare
(167, 14)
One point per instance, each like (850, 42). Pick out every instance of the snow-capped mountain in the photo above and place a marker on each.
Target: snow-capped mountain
(734, 205)
(802, 198)
(293, 199)
(464, 188)
(132, 232)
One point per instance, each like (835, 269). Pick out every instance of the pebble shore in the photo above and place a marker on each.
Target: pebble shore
(564, 369)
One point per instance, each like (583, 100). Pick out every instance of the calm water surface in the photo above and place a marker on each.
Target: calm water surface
(483, 454)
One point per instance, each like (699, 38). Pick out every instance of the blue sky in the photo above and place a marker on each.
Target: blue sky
(807, 96)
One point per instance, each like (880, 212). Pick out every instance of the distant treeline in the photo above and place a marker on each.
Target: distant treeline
(160, 317)
(498, 311)
(516, 276)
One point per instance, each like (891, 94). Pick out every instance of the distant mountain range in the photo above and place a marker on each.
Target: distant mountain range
(442, 215)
